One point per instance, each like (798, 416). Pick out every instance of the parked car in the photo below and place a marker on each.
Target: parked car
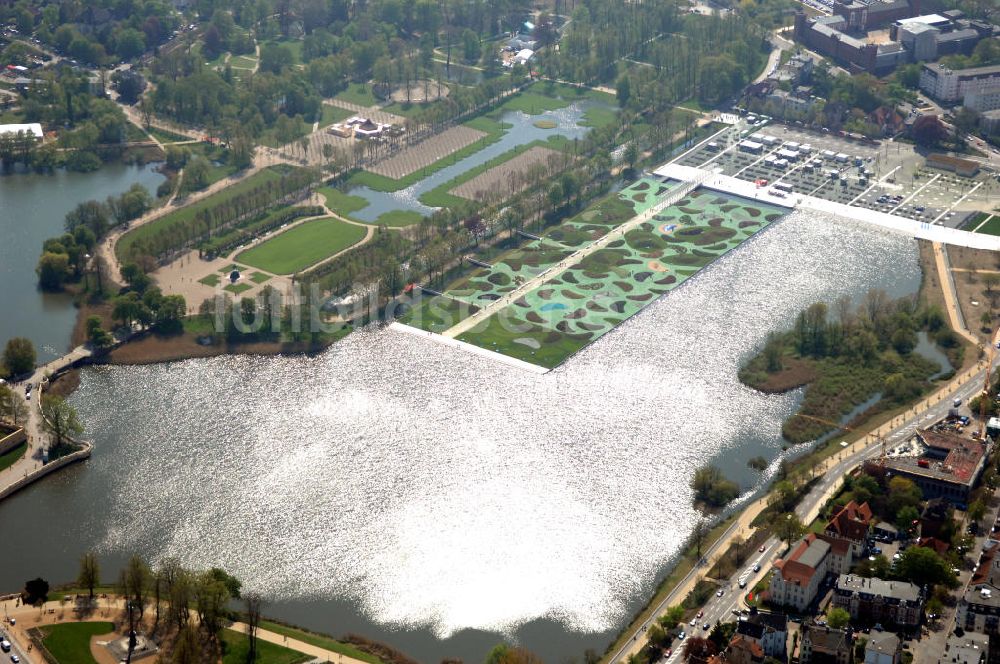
(680, 637)
(719, 594)
(756, 567)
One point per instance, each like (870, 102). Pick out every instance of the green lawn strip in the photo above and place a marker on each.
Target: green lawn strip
(69, 643)
(164, 136)
(398, 218)
(554, 346)
(992, 227)
(200, 325)
(229, 268)
(494, 131)
(211, 280)
(302, 246)
(319, 640)
(188, 212)
(71, 589)
(12, 456)
(236, 644)
(259, 277)
(236, 289)
(333, 114)
(341, 203)
(440, 197)
(357, 93)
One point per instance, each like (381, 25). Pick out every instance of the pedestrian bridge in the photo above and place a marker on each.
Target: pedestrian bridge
(921, 230)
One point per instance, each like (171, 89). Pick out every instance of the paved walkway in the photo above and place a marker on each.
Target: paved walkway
(37, 436)
(571, 260)
(950, 295)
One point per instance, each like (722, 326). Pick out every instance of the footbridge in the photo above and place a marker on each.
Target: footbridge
(921, 230)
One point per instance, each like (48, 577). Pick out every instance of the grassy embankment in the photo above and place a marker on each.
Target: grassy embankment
(318, 640)
(12, 456)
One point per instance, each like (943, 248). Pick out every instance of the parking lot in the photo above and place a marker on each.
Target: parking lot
(886, 176)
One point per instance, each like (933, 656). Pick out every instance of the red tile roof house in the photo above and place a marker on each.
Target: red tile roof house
(798, 575)
(852, 523)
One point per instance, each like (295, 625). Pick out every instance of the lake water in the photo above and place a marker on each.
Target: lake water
(32, 209)
(522, 131)
(433, 499)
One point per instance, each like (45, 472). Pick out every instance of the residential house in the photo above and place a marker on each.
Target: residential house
(766, 630)
(824, 645)
(744, 650)
(940, 547)
(877, 601)
(841, 558)
(883, 648)
(797, 577)
(852, 523)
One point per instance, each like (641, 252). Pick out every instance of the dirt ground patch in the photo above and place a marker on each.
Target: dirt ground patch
(977, 280)
(420, 91)
(427, 152)
(509, 177)
(795, 373)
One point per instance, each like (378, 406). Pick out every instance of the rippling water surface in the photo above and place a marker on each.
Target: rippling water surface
(430, 492)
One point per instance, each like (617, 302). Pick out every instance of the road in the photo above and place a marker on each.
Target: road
(898, 430)
(16, 647)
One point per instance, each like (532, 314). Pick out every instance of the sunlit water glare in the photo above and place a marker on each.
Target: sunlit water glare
(440, 490)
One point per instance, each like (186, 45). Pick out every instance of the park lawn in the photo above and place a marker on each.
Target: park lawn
(188, 212)
(494, 131)
(211, 280)
(319, 640)
(12, 456)
(259, 277)
(340, 202)
(164, 136)
(991, 227)
(398, 218)
(242, 62)
(69, 643)
(302, 246)
(236, 644)
(554, 347)
(218, 169)
(199, 325)
(293, 45)
(333, 114)
(232, 266)
(134, 134)
(357, 93)
(238, 288)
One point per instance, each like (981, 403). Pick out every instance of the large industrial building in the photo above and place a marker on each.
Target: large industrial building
(943, 465)
(951, 86)
(849, 34)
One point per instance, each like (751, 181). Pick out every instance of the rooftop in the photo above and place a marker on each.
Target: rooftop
(900, 590)
(883, 642)
(944, 456)
(971, 648)
(801, 563)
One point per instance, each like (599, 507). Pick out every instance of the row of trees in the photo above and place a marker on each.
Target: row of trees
(226, 212)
